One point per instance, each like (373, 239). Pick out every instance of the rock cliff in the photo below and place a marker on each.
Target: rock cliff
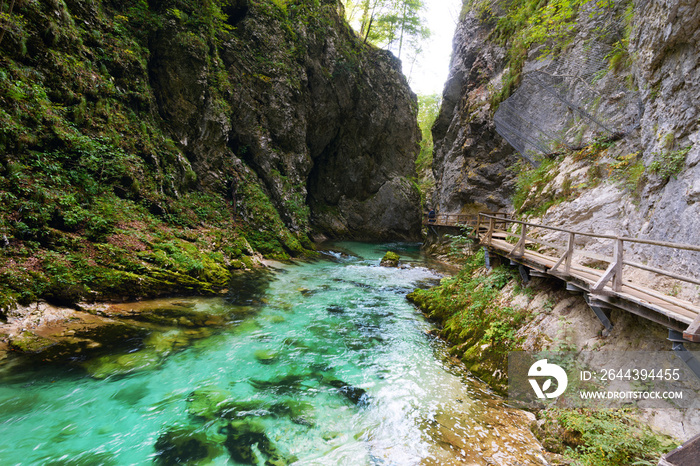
(640, 182)
(327, 123)
(609, 91)
(470, 162)
(147, 147)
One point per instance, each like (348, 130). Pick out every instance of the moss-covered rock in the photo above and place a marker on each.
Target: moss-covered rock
(29, 342)
(209, 401)
(185, 445)
(390, 259)
(481, 329)
(266, 356)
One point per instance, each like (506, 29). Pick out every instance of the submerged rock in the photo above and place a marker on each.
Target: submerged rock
(184, 445)
(282, 385)
(302, 421)
(207, 402)
(82, 458)
(29, 342)
(156, 347)
(266, 356)
(355, 394)
(292, 408)
(335, 309)
(120, 364)
(131, 395)
(246, 440)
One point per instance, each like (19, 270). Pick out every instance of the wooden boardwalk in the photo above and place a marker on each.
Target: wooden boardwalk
(603, 289)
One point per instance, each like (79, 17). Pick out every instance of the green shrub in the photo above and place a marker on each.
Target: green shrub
(603, 437)
(669, 164)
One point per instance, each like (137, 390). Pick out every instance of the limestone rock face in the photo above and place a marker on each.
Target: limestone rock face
(327, 124)
(470, 161)
(474, 167)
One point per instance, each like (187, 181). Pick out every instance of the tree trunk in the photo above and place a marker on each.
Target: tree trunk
(403, 23)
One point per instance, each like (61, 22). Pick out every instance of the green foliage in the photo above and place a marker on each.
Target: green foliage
(428, 110)
(628, 170)
(530, 184)
(605, 437)
(467, 305)
(460, 245)
(391, 24)
(669, 164)
(527, 23)
(275, 241)
(96, 201)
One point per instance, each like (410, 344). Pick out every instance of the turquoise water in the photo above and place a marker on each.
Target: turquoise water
(327, 363)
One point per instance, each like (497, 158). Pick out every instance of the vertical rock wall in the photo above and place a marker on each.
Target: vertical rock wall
(471, 162)
(326, 122)
(620, 188)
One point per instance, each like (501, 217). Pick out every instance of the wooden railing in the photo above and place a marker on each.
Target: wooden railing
(456, 220)
(488, 226)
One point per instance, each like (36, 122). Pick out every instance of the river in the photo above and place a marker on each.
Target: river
(319, 363)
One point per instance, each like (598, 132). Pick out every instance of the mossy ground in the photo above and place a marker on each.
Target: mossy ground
(473, 318)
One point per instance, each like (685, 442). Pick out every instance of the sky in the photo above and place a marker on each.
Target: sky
(429, 73)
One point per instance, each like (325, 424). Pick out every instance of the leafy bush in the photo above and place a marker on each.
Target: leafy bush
(602, 437)
(669, 164)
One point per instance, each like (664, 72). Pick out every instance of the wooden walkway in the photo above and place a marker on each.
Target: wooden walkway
(603, 289)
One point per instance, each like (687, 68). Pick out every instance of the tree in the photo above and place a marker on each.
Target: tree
(391, 24)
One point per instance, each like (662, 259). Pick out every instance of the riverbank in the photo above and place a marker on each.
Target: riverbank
(484, 314)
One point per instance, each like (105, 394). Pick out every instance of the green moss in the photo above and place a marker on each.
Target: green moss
(96, 200)
(390, 259)
(523, 24)
(481, 330)
(391, 256)
(29, 342)
(669, 163)
(529, 185)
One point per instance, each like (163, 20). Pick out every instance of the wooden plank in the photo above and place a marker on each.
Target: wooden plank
(685, 455)
(657, 303)
(570, 252)
(668, 299)
(618, 255)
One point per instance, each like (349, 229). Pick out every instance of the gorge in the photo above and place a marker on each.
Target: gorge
(179, 148)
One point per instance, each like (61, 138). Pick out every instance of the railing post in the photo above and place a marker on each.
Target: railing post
(617, 276)
(614, 271)
(569, 253)
(489, 233)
